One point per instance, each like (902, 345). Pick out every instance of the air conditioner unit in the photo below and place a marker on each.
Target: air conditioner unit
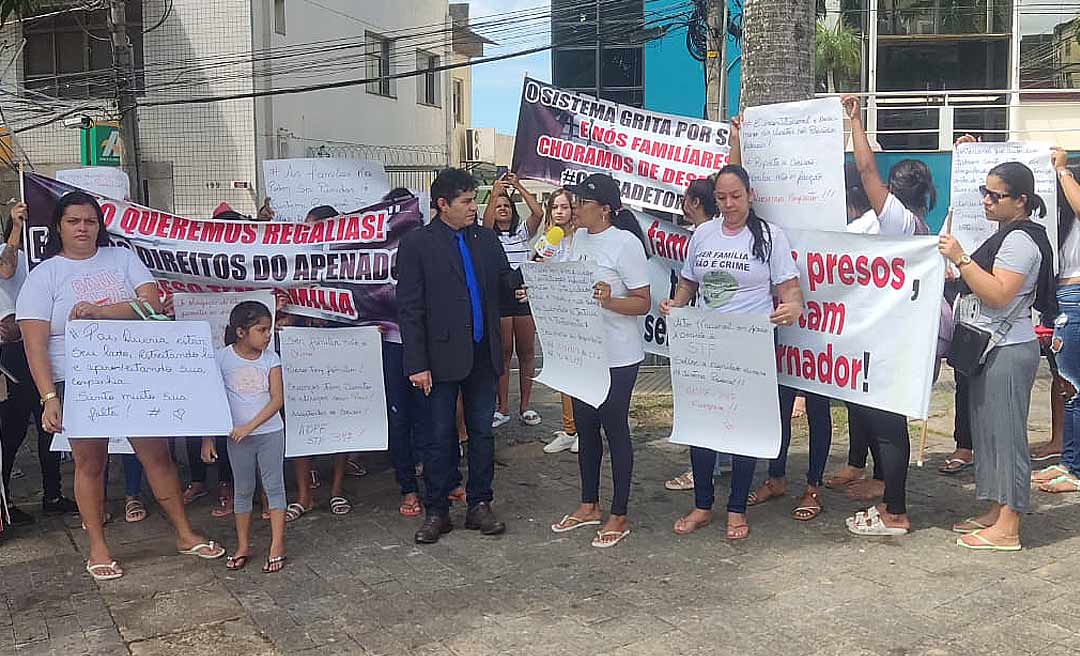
(480, 145)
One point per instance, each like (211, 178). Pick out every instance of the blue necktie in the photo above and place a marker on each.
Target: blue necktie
(474, 289)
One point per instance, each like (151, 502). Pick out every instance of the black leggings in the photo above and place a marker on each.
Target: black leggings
(614, 416)
(861, 445)
(198, 467)
(962, 412)
(888, 432)
(22, 405)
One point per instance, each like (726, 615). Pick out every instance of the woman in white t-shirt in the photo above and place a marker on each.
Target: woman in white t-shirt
(610, 237)
(734, 265)
(84, 278)
(518, 328)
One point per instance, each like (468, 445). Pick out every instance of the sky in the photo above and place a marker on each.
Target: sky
(496, 90)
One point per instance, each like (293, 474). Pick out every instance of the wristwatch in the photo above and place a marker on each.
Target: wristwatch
(48, 397)
(1062, 173)
(964, 259)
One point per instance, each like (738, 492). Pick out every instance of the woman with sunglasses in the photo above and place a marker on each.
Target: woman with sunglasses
(1011, 272)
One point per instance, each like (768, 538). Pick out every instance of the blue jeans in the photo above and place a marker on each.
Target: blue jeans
(407, 416)
(819, 417)
(703, 463)
(133, 471)
(1066, 346)
(439, 448)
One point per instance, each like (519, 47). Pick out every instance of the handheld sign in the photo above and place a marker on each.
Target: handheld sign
(142, 379)
(298, 185)
(215, 307)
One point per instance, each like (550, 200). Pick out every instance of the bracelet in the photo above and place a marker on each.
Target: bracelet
(1062, 173)
(49, 397)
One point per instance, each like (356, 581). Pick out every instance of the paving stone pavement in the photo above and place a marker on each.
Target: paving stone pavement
(358, 585)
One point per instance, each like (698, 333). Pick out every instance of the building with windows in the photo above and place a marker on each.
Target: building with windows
(207, 117)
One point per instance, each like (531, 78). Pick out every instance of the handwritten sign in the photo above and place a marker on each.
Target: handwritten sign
(794, 153)
(295, 186)
(117, 445)
(972, 162)
(107, 181)
(142, 379)
(214, 308)
(335, 398)
(723, 378)
(570, 328)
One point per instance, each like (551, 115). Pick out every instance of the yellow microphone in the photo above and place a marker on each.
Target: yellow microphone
(548, 245)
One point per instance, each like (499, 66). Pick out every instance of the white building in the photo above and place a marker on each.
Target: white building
(199, 149)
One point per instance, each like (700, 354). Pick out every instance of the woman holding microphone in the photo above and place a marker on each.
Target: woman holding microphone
(734, 264)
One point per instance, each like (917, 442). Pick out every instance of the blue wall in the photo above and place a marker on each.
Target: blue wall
(940, 168)
(674, 81)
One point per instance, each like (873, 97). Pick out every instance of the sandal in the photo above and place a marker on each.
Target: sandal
(340, 506)
(193, 494)
(954, 466)
(134, 511)
(764, 493)
(355, 469)
(274, 565)
(236, 563)
(315, 483)
(736, 532)
(608, 539)
(294, 511)
(686, 526)
(499, 419)
(411, 508)
(104, 571)
(1071, 482)
(200, 550)
(868, 523)
(969, 525)
(224, 507)
(836, 481)
(457, 496)
(1047, 474)
(569, 523)
(807, 510)
(978, 542)
(681, 483)
(531, 418)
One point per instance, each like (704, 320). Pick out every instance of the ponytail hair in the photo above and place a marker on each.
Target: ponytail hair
(245, 315)
(913, 185)
(761, 233)
(701, 190)
(624, 219)
(1021, 182)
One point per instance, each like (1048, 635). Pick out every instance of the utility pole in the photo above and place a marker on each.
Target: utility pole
(716, 18)
(126, 104)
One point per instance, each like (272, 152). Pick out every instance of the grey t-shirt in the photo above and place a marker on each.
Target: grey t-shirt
(1020, 254)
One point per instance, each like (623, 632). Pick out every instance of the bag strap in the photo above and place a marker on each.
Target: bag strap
(1005, 326)
(146, 311)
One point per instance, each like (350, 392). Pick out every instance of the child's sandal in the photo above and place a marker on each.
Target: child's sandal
(274, 565)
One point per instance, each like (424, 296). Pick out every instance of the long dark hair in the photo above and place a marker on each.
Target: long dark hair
(857, 199)
(911, 182)
(245, 315)
(1021, 182)
(515, 218)
(701, 190)
(624, 219)
(761, 233)
(53, 245)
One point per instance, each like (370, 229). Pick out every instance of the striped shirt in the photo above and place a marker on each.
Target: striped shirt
(516, 245)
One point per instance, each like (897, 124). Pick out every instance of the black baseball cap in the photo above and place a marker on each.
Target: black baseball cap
(601, 188)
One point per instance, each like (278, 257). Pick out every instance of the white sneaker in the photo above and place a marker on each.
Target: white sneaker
(499, 419)
(562, 442)
(574, 446)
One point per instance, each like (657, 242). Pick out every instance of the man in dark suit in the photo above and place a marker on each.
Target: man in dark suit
(451, 273)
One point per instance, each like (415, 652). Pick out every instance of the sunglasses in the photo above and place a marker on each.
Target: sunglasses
(994, 196)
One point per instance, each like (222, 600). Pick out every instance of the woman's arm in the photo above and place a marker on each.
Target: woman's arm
(277, 400)
(637, 302)
(735, 141)
(536, 212)
(118, 311)
(35, 334)
(1065, 177)
(9, 258)
(995, 288)
(876, 190)
(684, 292)
(789, 309)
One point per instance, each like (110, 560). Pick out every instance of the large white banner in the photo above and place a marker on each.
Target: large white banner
(214, 308)
(335, 396)
(972, 162)
(794, 153)
(117, 445)
(667, 246)
(868, 333)
(570, 328)
(723, 379)
(108, 181)
(295, 186)
(143, 379)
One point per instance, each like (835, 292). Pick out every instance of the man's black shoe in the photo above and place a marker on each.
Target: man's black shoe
(432, 528)
(59, 506)
(20, 517)
(481, 518)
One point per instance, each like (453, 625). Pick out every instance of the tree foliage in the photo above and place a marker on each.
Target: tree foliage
(837, 53)
(12, 8)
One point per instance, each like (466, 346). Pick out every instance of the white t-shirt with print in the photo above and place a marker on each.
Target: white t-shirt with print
(867, 224)
(621, 259)
(729, 277)
(14, 284)
(58, 284)
(247, 386)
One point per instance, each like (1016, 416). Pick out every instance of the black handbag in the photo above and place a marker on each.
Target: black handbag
(970, 344)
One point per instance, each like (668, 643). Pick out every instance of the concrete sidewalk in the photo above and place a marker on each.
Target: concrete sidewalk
(358, 585)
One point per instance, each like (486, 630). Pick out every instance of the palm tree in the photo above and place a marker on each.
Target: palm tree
(837, 53)
(778, 51)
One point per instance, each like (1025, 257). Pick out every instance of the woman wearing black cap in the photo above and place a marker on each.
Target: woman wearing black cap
(609, 236)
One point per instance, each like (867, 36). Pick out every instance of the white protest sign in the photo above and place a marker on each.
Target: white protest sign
(570, 328)
(295, 186)
(142, 379)
(214, 308)
(108, 181)
(723, 380)
(117, 445)
(794, 153)
(335, 397)
(868, 332)
(970, 165)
